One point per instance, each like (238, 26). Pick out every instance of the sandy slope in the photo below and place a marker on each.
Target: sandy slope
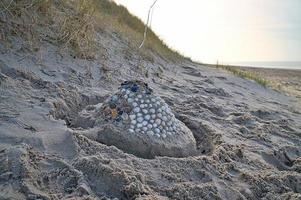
(249, 137)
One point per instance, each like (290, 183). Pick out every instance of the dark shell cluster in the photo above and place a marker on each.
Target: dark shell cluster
(135, 108)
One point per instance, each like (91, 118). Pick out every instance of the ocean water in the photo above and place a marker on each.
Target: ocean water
(270, 64)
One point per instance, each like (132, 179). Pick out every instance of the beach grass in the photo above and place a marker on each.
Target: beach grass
(73, 24)
(245, 74)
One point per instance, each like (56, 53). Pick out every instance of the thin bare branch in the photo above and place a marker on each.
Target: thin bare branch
(147, 22)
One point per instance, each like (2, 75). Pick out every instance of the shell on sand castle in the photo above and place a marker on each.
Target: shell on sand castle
(138, 122)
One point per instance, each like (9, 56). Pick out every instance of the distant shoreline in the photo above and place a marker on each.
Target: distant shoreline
(265, 68)
(254, 67)
(267, 65)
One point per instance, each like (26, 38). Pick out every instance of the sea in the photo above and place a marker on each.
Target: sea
(270, 64)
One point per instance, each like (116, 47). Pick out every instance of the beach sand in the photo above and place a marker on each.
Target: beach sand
(248, 137)
(286, 80)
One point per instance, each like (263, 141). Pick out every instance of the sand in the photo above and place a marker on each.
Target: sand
(248, 137)
(284, 80)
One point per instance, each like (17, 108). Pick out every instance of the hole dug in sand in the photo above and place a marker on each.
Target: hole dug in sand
(203, 134)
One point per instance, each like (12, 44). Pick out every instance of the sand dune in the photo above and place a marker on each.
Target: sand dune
(248, 136)
(59, 63)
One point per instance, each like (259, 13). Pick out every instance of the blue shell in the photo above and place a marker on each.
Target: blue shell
(134, 88)
(112, 105)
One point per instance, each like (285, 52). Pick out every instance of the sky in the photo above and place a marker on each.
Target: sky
(226, 30)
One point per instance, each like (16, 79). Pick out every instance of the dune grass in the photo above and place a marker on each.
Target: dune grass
(245, 74)
(73, 24)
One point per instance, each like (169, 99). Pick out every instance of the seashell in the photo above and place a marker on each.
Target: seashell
(124, 116)
(134, 88)
(169, 123)
(152, 110)
(114, 113)
(164, 118)
(144, 123)
(140, 119)
(150, 132)
(131, 131)
(136, 109)
(157, 130)
(112, 105)
(147, 117)
(114, 98)
(158, 121)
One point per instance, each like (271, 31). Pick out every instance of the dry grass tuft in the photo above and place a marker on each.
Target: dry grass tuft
(77, 30)
(69, 23)
(73, 24)
(21, 19)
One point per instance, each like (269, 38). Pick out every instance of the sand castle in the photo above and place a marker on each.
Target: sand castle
(137, 121)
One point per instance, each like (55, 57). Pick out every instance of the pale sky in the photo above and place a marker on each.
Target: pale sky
(226, 30)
